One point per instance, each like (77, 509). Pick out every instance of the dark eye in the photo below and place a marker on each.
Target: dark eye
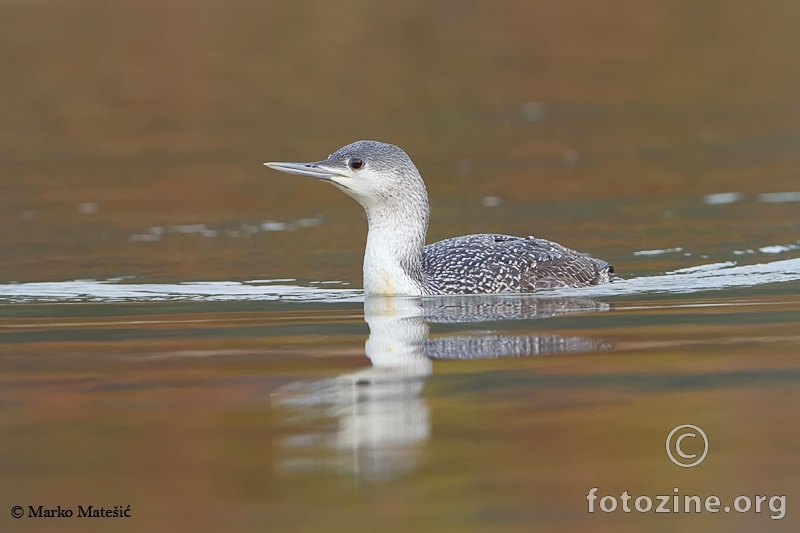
(355, 163)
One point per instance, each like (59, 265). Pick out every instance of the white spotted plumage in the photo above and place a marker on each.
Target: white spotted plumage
(490, 263)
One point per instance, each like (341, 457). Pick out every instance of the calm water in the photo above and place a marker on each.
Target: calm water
(183, 331)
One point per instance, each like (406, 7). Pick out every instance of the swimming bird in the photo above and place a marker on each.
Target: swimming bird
(382, 178)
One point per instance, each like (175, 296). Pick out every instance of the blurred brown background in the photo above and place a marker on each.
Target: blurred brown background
(118, 117)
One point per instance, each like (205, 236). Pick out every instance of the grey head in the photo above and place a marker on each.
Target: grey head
(375, 174)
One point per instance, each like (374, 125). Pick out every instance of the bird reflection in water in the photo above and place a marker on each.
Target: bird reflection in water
(372, 423)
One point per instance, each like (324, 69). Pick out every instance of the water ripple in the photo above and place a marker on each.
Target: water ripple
(714, 276)
(112, 291)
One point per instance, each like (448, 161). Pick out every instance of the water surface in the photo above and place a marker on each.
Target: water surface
(183, 330)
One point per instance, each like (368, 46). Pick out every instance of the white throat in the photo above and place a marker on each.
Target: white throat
(393, 256)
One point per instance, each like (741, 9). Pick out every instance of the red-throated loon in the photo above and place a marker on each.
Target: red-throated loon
(382, 178)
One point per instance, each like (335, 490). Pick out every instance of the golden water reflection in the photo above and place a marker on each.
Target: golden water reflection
(270, 412)
(380, 419)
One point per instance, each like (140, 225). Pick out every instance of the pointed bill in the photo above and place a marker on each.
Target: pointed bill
(314, 170)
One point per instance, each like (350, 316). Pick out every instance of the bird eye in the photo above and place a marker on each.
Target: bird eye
(355, 163)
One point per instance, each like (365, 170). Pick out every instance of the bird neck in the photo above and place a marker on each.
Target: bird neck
(393, 256)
